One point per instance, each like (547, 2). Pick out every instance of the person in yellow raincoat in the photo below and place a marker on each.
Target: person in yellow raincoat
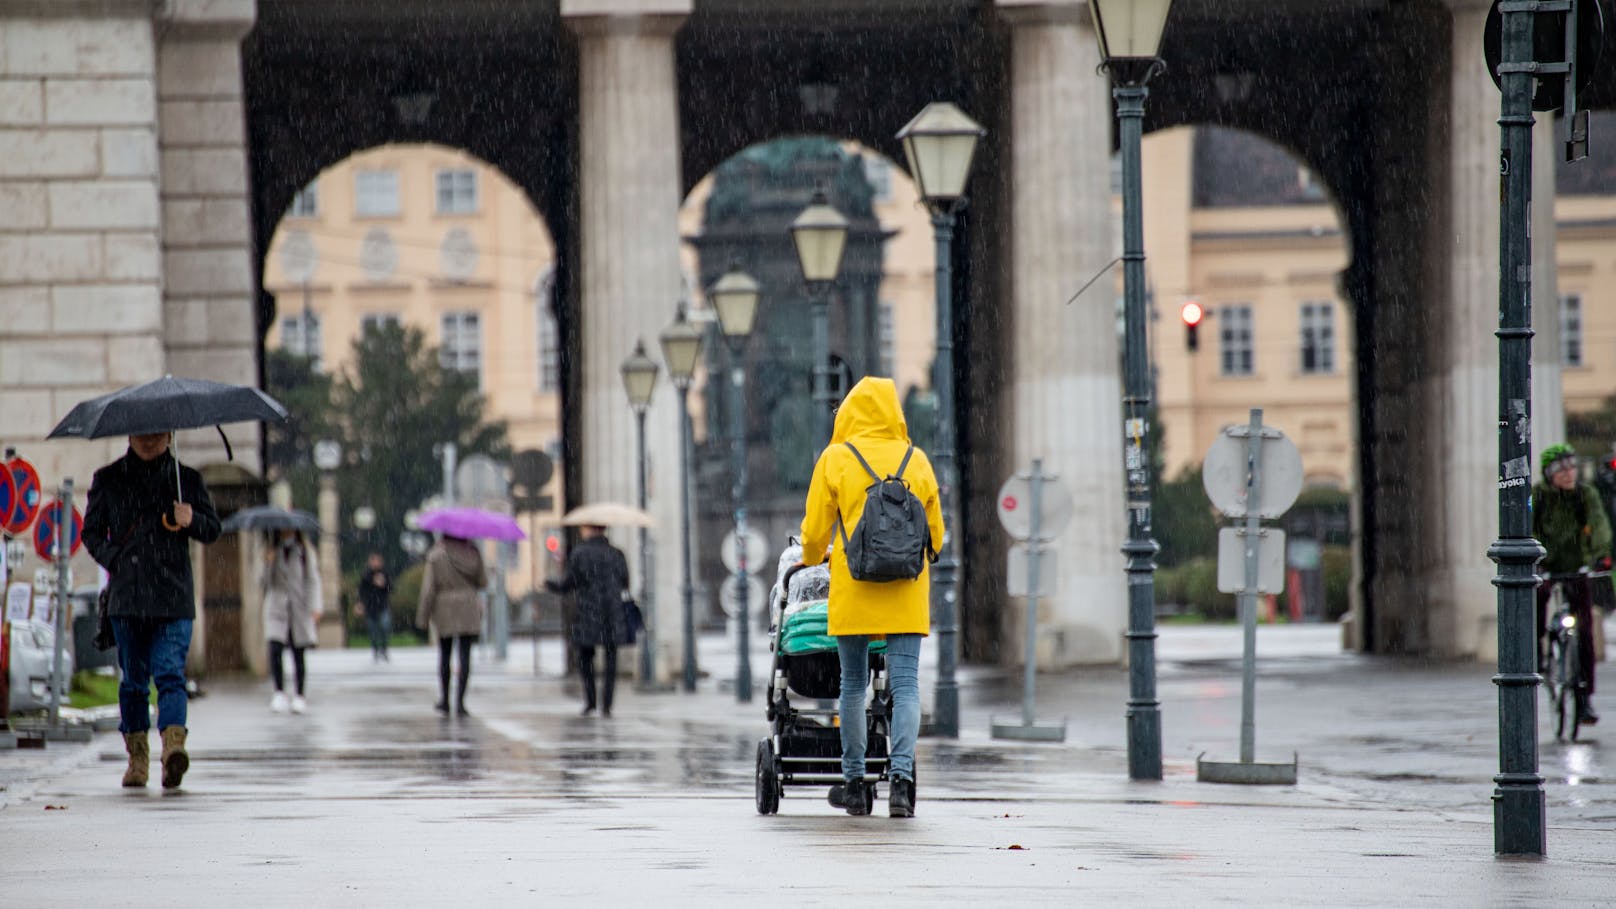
(871, 420)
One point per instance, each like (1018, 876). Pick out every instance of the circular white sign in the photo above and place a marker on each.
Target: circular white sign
(1224, 473)
(729, 596)
(756, 551)
(1015, 507)
(480, 479)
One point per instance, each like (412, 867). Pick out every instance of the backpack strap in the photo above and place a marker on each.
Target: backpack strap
(904, 464)
(866, 464)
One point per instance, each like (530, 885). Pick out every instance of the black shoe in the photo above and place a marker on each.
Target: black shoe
(442, 707)
(854, 798)
(901, 800)
(606, 712)
(1586, 714)
(587, 710)
(461, 709)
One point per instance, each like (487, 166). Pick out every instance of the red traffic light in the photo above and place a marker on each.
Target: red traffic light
(552, 543)
(1192, 313)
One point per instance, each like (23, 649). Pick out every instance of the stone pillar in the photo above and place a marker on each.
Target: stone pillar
(1066, 389)
(209, 317)
(1458, 469)
(80, 276)
(628, 212)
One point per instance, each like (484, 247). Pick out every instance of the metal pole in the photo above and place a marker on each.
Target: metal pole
(821, 308)
(1144, 710)
(945, 596)
(64, 515)
(647, 607)
(1034, 550)
(743, 662)
(535, 548)
(687, 591)
(449, 452)
(1518, 802)
(1248, 596)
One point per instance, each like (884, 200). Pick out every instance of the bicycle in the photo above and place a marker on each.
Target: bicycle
(1558, 660)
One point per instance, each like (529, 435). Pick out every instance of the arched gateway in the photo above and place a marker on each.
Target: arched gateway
(145, 156)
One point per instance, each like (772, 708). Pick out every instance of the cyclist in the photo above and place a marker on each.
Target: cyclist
(1570, 522)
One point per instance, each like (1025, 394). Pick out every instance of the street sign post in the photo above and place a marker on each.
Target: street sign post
(1252, 472)
(756, 552)
(1033, 507)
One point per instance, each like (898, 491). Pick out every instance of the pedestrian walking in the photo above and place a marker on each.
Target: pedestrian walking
(143, 512)
(449, 603)
(869, 444)
(597, 573)
(1570, 522)
(375, 604)
(293, 602)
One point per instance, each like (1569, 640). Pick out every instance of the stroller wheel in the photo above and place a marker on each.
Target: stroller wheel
(768, 779)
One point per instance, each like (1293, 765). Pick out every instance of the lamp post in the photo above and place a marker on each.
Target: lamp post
(820, 236)
(1130, 34)
(681, 347)
(639, 381)
(940, 143)
(735, 296)
(1518, 803)
(327, 457)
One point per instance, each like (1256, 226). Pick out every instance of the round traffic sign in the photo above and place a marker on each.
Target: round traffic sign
(1224, 472)
(8, 495)
(756, 551)
(25, 499)
(45, 531)
(729, 596)
(1015, 506)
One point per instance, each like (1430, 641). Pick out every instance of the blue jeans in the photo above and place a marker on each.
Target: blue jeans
(151, 650)
(381, 626)
(903, 680)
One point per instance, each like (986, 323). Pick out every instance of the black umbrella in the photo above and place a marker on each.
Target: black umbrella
(269, 517)
(165, 405)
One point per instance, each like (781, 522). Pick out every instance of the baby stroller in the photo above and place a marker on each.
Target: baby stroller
(804, 745)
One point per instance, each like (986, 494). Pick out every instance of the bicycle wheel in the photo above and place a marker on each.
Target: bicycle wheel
(1555, 681)
(1571, 681)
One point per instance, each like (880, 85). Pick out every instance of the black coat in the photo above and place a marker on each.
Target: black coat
(150, 565)
(598, 573)
(376, 599)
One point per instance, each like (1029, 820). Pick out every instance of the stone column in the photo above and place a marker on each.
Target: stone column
(628, 212)
(209, 314)
(1067, 393)
(80, 283)
(1458, 469)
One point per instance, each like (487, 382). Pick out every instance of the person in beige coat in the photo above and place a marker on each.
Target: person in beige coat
(449, 603)
(290, 581)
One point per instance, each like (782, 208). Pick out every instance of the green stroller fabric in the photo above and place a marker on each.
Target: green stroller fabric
(803, 632)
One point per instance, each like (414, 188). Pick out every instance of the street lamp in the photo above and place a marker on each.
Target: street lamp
(639, 381)
(1130, 34)
(681, 347)
(940, 143)
(820, 236)
(735, 296)
(327, 457)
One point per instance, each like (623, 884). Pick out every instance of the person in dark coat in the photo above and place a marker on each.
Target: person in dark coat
(139, 525)
(375, 604)
(598, 573)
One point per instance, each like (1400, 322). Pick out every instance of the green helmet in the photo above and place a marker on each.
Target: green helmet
(1557, 452)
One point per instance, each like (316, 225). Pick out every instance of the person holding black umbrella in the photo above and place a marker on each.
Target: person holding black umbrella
(144, 509)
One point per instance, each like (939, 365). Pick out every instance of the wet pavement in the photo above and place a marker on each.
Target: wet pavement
(371, 797)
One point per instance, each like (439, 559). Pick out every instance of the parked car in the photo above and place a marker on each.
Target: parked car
(32, 646)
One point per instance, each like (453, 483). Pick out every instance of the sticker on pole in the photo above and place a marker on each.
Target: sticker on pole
(1015, 507)
(25, 496)
(50, 518)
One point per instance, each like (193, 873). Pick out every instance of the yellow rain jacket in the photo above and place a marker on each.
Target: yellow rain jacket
(870, 418)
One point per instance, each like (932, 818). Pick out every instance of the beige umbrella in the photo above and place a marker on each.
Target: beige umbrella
(607, 514)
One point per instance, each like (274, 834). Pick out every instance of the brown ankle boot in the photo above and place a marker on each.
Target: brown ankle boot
(175, 760)
(139, 748)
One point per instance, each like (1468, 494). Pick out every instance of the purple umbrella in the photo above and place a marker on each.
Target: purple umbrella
(471, 523)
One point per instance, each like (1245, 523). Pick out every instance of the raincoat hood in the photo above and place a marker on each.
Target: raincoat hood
(871, 409)
(465, 559)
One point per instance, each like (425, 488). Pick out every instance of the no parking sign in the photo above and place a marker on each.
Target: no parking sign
(24, 497)
(45, 531)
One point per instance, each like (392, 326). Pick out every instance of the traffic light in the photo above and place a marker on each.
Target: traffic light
(1192, 314)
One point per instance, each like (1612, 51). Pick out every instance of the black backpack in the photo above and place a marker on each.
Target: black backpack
(892, 540)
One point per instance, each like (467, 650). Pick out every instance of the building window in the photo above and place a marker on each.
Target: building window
(1571, 330)
(1318, 338)
(462, 346)
(1234, 333)
(549, 349)
(377, 322)
(376, 193)
(306, 204)
(300, 336)
(457, 192)
(886, 338)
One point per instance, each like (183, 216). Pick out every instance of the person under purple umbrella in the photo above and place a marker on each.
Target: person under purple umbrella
(454, 577)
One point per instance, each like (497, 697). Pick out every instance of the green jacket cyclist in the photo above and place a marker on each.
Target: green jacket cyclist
(1570, 522)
